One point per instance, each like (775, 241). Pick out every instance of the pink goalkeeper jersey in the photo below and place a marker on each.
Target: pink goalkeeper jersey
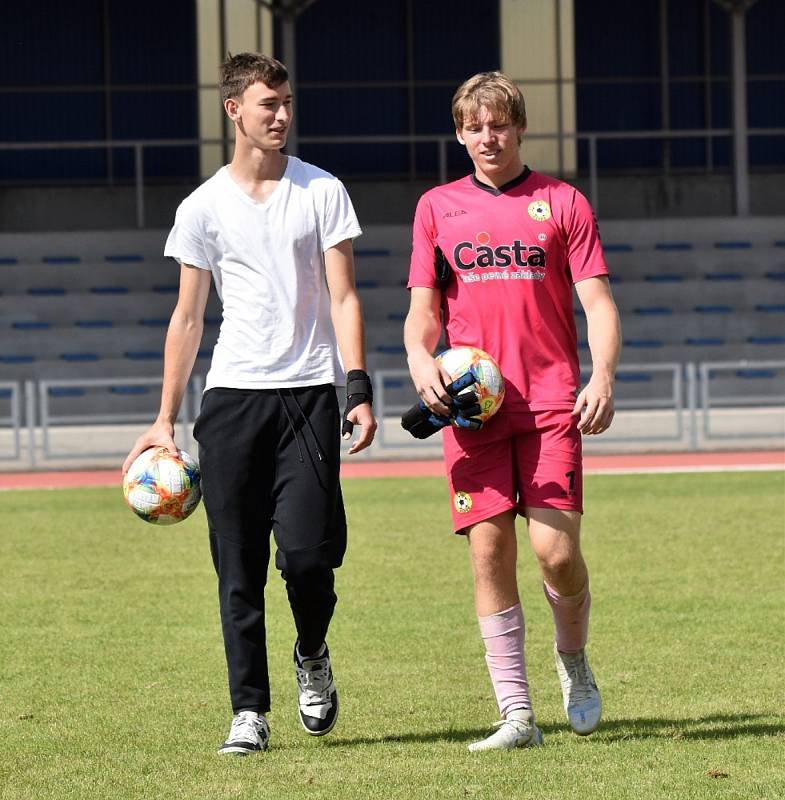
(513, 255)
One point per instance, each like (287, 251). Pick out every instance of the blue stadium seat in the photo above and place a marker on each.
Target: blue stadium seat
(367, 284)
(720, 309)
(653, 311)
(17, 358)
(8, 260)
(776, 275)
(77, 356)
(144, 355)
(612, 279)
(634, 377)
(66, 391)
(168, 288)
(770, 308)
(109, 289)
(31, 325)
(766, 339)
(123, 258)
(390, 348)
(5, 394)
(373, 253)
(212, 320)
(724, 276)
(673, 246)
(154, 322)
(643, 343)
(204, 353)
(135, 390)
(61, 259)
(393, 383)
(733, 245)
(705, 341)
(397, 316)
(755, 374)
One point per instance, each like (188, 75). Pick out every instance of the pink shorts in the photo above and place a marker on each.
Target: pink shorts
(517, 459)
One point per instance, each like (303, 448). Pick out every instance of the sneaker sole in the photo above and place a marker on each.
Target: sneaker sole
(239, 751)
(326, 730)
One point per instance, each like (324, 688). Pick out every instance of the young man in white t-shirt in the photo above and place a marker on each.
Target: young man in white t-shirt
(275, 234)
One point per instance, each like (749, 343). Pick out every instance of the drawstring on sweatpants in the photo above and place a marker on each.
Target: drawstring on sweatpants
(292, 427)
(308, 423)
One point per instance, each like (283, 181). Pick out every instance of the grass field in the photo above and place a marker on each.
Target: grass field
(112, 678)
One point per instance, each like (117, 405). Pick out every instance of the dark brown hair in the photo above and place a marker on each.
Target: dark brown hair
(243, 70)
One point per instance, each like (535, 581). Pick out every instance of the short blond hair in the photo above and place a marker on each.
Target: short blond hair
(494, 91)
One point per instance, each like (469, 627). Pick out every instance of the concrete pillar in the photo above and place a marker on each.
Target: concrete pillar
(246, 27)
(538, 52)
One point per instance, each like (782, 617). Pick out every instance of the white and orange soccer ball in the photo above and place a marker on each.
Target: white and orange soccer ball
(162, 488)
(490, 386)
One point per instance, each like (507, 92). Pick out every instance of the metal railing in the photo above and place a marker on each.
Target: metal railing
(670, 416)
(711, 399)
(440, 142)
(12, 392)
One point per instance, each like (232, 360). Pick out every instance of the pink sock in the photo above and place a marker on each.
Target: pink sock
(571, 617)
(503, 634)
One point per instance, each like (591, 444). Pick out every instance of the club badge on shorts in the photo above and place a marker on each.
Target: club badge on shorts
(462, 502)
(539, 210)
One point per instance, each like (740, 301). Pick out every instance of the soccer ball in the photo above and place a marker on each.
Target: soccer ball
(490, 389)
(162, 488)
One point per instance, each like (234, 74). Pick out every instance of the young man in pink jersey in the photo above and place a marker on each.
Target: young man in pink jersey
(496, 256)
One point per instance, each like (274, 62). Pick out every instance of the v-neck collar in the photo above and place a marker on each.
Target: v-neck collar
(247, 197)
(505, 187)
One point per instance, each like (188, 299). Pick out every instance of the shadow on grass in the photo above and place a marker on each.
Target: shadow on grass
(720, 726)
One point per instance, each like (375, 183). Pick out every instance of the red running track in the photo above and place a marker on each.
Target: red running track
(593, 464)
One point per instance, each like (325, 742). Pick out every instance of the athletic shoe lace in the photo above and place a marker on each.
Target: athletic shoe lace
(245, 727)
(577, 679)
(315, 682)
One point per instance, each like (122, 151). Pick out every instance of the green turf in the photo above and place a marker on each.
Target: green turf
(113, 685)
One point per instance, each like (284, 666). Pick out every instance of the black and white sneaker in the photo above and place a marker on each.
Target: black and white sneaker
(249, 733)
(318, 697)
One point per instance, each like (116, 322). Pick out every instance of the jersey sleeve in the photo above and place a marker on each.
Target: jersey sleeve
(421, 268)
(584, 251)
(185, 242)
(339, 222)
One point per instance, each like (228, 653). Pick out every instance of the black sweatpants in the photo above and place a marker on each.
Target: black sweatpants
(270, 460)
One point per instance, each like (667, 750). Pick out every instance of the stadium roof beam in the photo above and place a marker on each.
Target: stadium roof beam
(288, 11)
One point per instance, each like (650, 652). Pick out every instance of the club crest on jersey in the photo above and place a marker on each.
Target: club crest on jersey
(539, 210)
(462, 502)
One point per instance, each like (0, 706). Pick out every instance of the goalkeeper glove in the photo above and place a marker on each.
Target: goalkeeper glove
(421, 422)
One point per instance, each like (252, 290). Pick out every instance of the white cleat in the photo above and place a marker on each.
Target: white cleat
(518, 730)
(581, 696)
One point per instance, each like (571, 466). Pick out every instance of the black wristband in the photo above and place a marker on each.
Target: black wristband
(358, 382)
(358, 391)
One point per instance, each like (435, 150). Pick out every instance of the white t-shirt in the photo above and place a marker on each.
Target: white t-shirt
(268, 267)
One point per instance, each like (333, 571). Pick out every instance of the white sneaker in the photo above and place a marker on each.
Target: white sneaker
(518, 730)
(581, 696)
(249, 733)
(317, 695)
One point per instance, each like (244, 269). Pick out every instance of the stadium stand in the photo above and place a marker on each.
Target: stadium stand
(97, 304)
